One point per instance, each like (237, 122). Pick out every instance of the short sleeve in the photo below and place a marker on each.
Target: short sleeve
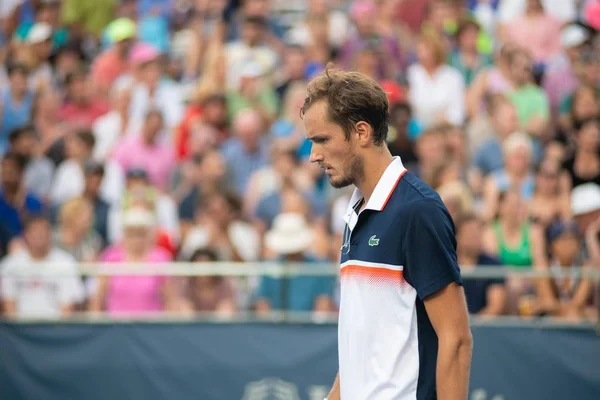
(429, 246)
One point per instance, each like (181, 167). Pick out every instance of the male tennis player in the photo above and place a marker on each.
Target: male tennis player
(403, 323)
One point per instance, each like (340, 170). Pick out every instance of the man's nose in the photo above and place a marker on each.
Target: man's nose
(315, 156)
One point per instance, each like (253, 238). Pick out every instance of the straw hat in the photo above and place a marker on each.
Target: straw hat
(290, 234)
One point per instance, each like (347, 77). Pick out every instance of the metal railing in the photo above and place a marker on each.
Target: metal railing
(277, 270)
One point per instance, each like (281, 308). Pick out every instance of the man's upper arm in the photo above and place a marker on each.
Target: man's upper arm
(430, 248)
(447, 311)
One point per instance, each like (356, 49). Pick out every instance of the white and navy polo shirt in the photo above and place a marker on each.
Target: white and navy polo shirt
(400, 249)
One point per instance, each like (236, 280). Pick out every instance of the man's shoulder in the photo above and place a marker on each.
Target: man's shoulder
(412, 193)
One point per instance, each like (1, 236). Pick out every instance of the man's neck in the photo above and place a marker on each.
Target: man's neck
(376, 164)
(39, 255)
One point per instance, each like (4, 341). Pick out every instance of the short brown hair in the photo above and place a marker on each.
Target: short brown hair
(435, 44)
(351, 97)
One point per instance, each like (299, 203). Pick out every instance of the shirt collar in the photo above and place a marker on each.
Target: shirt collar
(383, 190)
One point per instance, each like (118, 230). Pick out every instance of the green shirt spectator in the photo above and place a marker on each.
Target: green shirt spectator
(93, 15)
(530, 101)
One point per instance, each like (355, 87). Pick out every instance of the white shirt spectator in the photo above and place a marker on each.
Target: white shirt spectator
(107, 130)
(168, 98)
(242, 235)
(338, 29)
(239, 54)
(69, 182)
(438, 97)
(563, 10)
(41, 296)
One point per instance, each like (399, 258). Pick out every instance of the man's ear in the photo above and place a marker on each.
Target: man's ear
(364, 133)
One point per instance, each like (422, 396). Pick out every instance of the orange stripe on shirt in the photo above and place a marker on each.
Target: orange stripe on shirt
(371, 272)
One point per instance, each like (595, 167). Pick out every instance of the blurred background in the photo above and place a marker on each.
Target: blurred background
(160, 221)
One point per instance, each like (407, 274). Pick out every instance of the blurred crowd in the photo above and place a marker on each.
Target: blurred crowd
(151, 131)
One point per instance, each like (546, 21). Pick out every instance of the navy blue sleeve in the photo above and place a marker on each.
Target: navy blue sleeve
(429, 246)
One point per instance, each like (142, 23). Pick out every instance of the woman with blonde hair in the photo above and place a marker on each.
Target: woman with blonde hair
(437, 90)
(75, 233)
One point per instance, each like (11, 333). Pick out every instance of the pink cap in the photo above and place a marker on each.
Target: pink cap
(142, 53)
(363, 9)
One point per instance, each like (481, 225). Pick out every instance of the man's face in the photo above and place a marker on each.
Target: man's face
(295, 62)
(11, 175)
(38, 236)
(25, 145)
(252, 33)
(18, 81)
(330, 149)
(469, 237)
(213, 166)
(93, 182)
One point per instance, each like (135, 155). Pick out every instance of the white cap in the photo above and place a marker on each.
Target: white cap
(585, 199)
(39, 33)
(573, 36)
(138, 217)
(517, 140)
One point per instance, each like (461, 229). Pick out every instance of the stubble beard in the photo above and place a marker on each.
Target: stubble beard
(353, 172)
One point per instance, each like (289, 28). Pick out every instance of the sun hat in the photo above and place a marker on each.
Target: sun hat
(585, 199)
(290, 234)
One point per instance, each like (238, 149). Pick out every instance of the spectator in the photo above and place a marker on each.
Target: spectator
(210, 293)
(467, 58)
(484, 296)
(491, 81)
(75, 233)
(139, 191)
(39, 170)
(115, 61)
(390, 64)
(559, 79)
(503, 118)
(137, 295)
(81, 109)
(247, 151)
(253, 93)
(94, 175)
(585, 206)
(437, 91)
(69, 180)
(517, 173)
(509, 237)
(32, 294)
(270, 180)
(529, 99)
(584, 166)
(570, 296)
(219, 226)
(202, 177)
(114, 125)
(288, 240)
(537, 31)
(16, 203)
(250, 48)
(15, 104)
(148, 151)
(550, 202)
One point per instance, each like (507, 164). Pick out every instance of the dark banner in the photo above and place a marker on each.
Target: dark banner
(263, 361)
